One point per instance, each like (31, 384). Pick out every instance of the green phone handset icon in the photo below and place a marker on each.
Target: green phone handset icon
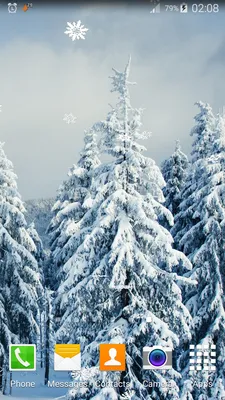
(17, 354)
(22, 357)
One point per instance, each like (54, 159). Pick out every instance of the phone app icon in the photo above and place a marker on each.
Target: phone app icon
(67, 357)
(22, 357)
(112, 357)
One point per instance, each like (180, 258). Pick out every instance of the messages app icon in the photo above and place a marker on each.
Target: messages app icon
(22, 357)
(67, 357)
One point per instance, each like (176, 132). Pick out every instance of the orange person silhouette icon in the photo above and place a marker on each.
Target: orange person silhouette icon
(112, 357)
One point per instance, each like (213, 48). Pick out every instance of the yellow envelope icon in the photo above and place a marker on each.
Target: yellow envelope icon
(67, 357)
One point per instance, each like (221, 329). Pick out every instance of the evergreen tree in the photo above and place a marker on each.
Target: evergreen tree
(20, 280)
(174, 171)
(124, 270)
(38, 250)
(69, 207)
(202, 148)
(199, 233)
(42, 258)
(203, 132)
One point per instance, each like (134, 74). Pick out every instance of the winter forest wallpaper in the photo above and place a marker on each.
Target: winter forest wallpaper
(112, 203)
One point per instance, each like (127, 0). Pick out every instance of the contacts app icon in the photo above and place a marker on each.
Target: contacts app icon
(112, 357)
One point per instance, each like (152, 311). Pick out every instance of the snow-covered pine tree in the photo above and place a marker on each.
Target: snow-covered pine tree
(69, 208)
(203, 132)
(199, 233)
(38, 251)
(20, 280)
(42, 257)
(202, 148)
(124, 271)
(174, 171)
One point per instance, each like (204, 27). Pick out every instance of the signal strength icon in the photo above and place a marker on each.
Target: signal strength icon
(156, 7)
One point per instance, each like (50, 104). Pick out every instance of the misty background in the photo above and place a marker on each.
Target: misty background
(177, 59)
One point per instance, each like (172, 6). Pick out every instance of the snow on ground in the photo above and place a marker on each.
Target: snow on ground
(40, 391)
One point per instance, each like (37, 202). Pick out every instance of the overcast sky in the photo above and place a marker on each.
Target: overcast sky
(176, 60)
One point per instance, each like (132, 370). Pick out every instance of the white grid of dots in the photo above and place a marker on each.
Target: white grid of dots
(202, 358)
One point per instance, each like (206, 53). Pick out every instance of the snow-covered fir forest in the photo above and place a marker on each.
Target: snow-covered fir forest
(132, 252)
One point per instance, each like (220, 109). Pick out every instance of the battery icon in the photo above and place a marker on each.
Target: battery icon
(184, 8)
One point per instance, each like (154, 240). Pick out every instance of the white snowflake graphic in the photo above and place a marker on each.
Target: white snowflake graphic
(75, 30)
(128, 395)
(69, 118)
(0, 108)
(84, 374)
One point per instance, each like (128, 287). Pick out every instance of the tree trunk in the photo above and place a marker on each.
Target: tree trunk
(125, 300)
(41, 339)
(1, 373)
(5, 378)
(47, 339)
(10, 386)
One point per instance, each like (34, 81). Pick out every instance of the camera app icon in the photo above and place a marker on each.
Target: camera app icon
(12, 8)
(157, 357)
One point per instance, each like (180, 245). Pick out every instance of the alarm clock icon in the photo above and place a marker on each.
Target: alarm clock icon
(12, 8)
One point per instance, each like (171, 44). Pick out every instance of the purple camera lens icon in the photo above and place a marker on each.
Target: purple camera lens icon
(157, 357)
